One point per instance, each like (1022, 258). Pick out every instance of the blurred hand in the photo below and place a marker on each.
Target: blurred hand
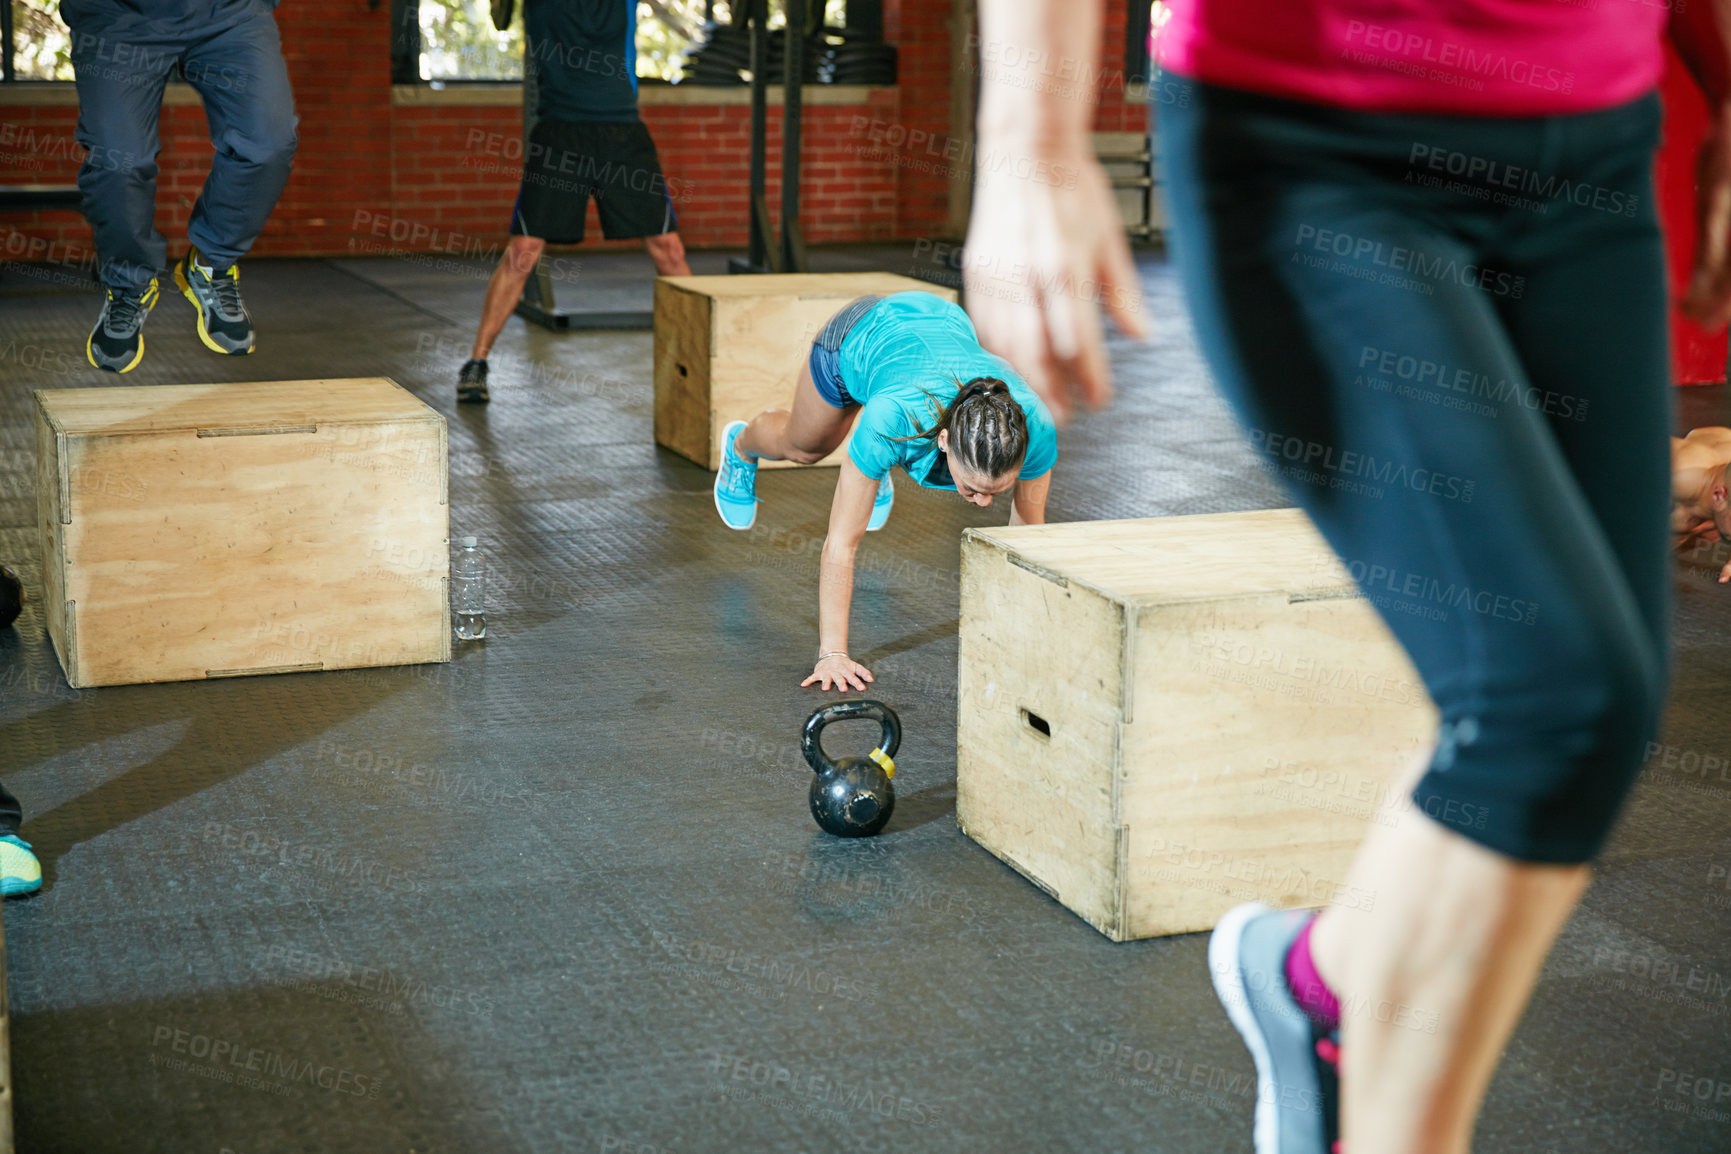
(1708, 300)
(844, 671)
(1042, 257)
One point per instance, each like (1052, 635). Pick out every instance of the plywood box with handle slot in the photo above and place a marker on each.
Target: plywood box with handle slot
(1159, 719)
(193, 531)
(729, 347)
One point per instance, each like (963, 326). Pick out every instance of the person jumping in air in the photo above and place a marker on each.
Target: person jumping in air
(122, 57)
(929, 399)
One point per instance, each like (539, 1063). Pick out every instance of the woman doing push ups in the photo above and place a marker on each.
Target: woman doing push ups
(929, 399)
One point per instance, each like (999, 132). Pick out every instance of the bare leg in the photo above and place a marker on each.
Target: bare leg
(505, 289)
(809, 433)
(668, 253)
(1456, 934)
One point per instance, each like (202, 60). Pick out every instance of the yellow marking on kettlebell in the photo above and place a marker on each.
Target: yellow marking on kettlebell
(883, 759)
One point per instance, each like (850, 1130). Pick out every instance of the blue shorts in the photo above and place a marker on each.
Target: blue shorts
(826, 352)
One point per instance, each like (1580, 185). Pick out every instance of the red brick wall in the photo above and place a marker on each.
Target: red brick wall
(920, 29)
(1697, 356)
(1115, 114)
(457, 169)
(371, 177)
(338, 60)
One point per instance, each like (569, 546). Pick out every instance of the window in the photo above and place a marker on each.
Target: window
(34, 44)
(456, 40)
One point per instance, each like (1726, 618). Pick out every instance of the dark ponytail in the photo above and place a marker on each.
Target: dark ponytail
(988, 430)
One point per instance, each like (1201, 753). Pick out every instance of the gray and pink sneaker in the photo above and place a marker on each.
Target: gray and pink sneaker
(1297, 1061)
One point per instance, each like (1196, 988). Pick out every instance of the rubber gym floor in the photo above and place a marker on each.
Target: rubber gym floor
(568, 895)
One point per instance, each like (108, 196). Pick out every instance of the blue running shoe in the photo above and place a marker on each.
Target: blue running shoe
(20, 872)
(735, 482)
(1297, 1062)
(886, 500)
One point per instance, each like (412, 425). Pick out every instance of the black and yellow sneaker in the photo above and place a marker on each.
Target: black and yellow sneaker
(223, 323)
(472, 383)
(117, 341)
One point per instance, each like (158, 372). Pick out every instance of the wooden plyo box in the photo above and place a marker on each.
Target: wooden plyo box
(729, 347)
(1160, 719)
(193, 531)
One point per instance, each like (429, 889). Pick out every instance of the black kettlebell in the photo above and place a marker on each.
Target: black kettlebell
(11, 596)
(852, 797)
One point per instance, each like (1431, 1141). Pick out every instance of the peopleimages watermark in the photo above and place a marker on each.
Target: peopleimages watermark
(1040, 70)
(1195, 1083)
(1512, 184)
(781, 1087)
(758, 971)
(1225, 648)
(792, 873)
(1435, 594)
(130, 62)
(59, 360)
(40, 146)
(74, 264)
(1200, 866)
(613, 1144)
(380, 986)
(1702, 1096)
(942, 155)
(1395, 261)
(241, 1060)
(747, 755)
(538, 160)
(301, 855)
(1657, 976)
(792, 549)
(402, 230)
(1331, 791)
(1439, 376)
(526, 373)
(1446, 61)
(379, 766)
(1357, 471)
(989, 275)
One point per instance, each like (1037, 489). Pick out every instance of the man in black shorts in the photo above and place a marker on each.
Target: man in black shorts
(587, 141)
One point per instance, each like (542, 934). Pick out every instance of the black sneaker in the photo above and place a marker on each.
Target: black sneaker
(1297, 1062)
(472, 383)
(223, 323)
(117, 341)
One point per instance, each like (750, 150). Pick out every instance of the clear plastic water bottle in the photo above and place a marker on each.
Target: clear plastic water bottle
(468, 592)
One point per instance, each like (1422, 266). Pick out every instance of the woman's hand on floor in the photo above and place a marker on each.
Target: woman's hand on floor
(844, 671)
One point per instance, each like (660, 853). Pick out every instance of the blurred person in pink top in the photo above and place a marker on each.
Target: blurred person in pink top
(1418, 242)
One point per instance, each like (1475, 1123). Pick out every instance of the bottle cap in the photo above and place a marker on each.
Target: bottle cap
(468, 542)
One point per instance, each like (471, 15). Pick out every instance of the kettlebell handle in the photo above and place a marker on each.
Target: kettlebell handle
(811, 737)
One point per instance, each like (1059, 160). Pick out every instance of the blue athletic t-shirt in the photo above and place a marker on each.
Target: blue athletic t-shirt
(585, 58)
(903, 362)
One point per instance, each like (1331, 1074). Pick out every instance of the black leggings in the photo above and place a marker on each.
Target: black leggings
(1447, 336)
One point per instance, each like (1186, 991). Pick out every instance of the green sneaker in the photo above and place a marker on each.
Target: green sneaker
(20, 872)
